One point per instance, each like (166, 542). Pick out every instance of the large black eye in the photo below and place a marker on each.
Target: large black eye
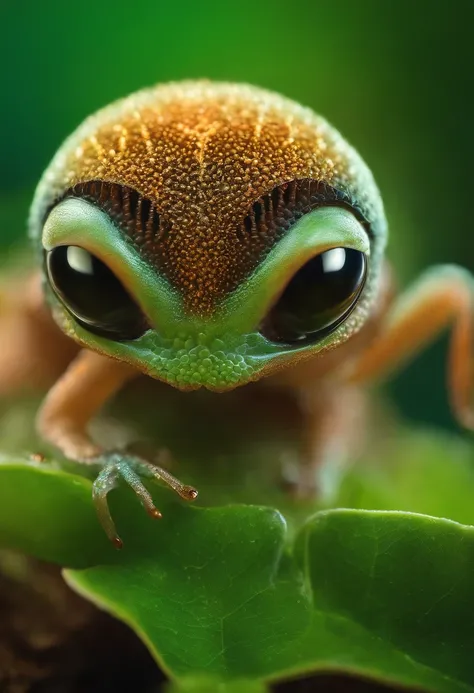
(318, 298)
(93, 294)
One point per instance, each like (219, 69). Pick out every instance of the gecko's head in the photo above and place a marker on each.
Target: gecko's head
(208, 234)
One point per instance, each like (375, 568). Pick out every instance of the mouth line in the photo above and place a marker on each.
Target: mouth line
(216, 389)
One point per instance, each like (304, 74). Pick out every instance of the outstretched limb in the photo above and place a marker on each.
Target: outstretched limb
(89, 382)
(443, 296)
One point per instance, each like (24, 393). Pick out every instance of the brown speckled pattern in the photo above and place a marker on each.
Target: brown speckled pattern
(203, 153)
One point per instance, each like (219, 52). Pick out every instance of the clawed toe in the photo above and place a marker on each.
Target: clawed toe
(116, 466)
(105, 482)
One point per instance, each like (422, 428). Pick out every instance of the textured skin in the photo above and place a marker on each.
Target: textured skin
(202, 154)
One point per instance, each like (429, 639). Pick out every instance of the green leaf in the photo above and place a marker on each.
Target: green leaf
(48, 513)
(236, 594)
(383, 594)
(207, 684)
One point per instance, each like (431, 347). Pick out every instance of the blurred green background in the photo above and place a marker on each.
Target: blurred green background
(394, 77)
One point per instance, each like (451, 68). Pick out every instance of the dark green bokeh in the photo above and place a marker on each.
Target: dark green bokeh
(394, 77)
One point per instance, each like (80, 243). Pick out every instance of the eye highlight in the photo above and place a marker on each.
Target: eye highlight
(318, 298)
(93, 294)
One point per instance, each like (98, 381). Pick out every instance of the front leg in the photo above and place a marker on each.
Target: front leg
(443, 296)
(85, 387)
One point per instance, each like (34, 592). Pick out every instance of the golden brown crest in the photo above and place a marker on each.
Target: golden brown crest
(206, 177)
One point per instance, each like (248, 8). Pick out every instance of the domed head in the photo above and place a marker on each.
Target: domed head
(208, 234)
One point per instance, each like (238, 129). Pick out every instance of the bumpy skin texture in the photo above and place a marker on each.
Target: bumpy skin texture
(205, 158)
